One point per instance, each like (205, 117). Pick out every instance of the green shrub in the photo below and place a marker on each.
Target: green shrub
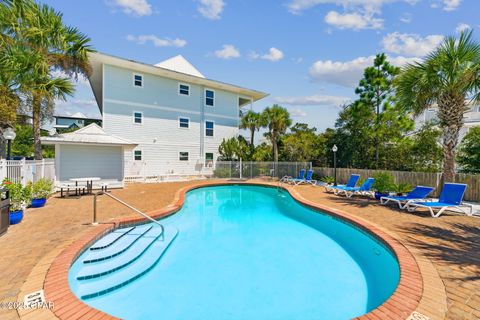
(19, 195)
(327, 179)
(42, 188)
(221, 173)
(402, 188)
(383, 182)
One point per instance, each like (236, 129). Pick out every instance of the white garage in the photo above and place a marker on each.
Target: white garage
(89, 152)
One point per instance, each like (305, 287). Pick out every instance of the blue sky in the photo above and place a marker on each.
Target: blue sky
(307, 54)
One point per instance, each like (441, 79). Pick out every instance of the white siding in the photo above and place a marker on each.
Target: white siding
(161, 141)
(77, 161)
(159, 136)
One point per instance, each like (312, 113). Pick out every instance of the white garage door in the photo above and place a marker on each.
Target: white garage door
(77, 161)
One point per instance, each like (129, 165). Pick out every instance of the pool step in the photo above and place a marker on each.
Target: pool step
(94, 287)
(111, 238)
(120, 261)
(120, 246)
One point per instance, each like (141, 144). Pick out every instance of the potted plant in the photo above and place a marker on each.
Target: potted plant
(19, 199)
(40, 192)
(383, 184)
(328, 180)
(402, 188)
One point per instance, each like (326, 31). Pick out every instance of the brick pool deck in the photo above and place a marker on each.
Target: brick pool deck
(447, 249)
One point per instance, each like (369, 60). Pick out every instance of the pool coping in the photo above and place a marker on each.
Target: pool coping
(400, 305)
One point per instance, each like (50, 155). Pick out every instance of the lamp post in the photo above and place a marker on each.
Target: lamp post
(9, 135)
(334, 149)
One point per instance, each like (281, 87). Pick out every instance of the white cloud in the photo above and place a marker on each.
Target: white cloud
(297, 112)
(411, 44)
(228, 51)
(314, 100)
(156, 41)
(348, 73)
(297, 6)
(406, 18)
(81, 80)
(357, 14)
(135, 7)
(211, 9)
(450, 5)
(462, 27)
(273, 55)
(354, 21)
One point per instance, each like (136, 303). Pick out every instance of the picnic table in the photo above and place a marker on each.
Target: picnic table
(88, 180)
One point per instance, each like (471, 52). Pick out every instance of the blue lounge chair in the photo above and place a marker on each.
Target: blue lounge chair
(364, 189)
(352, 181)
(290, 179)
(308, 179)
(450, 197)
(417, 194)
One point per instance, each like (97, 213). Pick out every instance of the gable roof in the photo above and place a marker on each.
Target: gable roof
(180, 64)
(97, 60)
(91, 134)
(78, 115)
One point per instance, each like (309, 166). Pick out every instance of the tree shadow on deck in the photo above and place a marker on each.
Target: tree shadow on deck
(357, 201)
(454, 243)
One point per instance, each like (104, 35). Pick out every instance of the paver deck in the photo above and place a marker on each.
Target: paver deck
(447, 249)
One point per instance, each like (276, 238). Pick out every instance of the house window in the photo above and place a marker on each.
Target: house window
(184, 89)
(183, 156)
(137, 155)
(208, 159)
(183, 123)
(209, 98)
(138, 80)
(209, 127)
(137, 117)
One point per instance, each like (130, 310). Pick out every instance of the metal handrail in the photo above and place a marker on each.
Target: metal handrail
(129, 206)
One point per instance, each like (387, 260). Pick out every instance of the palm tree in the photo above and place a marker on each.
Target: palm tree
(277, 121)
(38, 31)
(9, 103)
(448, 77)
(252, 121)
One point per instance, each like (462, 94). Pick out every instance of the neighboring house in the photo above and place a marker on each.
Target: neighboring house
(173, 118)
(472, 118)
(78, 120)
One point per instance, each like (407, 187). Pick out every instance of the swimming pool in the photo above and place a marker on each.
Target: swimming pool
(241, 252)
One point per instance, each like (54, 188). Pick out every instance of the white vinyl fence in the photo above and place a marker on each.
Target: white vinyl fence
(23, 171)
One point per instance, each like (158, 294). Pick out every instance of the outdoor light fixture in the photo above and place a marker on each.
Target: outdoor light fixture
(9, 135)
(334, 149)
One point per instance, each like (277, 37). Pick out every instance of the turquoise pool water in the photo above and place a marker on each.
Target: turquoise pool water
(241, 252)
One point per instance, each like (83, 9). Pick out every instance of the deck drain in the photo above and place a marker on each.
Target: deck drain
(36, 300)
(417, 316)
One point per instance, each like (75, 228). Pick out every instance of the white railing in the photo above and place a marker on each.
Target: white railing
(142, 173)
(23, 171)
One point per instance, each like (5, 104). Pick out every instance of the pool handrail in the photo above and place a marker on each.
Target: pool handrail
(162, 234)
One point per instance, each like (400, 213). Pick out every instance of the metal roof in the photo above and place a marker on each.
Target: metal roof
(91, 134)
(180, 64)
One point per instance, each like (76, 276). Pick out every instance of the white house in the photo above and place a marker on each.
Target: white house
(471, 119)
(173, 118)
(74, 121)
